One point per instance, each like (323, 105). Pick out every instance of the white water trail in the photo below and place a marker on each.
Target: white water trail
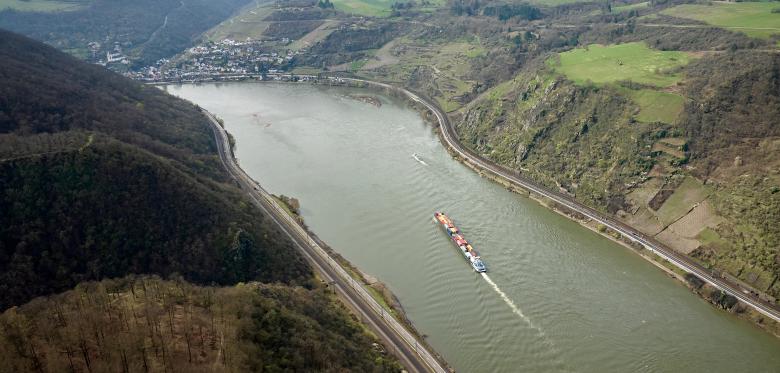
(509, 302)
(561, 366)
(418, 159)
(516, 310)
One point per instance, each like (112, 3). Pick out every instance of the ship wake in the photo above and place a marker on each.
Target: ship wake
(515, 309)
(559, 366)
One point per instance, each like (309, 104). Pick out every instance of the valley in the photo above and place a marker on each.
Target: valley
(554, 272)
(652, 124)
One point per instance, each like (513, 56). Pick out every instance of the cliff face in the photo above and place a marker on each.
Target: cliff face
(706, 183)
(581, 140)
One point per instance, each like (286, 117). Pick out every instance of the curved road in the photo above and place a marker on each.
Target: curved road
(450, 138)
(413, 355)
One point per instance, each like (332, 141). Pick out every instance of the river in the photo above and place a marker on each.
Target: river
(557, 297)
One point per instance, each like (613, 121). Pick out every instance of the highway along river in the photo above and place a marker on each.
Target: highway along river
(557, 298)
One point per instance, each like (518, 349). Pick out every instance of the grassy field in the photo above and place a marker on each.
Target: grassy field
(657, 106)
(42, 5)
(306, 70)
(248, 24)
(688, 194)
(702, 216)
(357, 65)
(557, 2)
(670, 150)
(371, 8)
(382, 57)
(752, 18)
(626, 8)
(708, 237)
(376, 8)
(631, 61)
(316, 35)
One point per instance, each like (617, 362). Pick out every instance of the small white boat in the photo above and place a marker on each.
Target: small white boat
(417, 158)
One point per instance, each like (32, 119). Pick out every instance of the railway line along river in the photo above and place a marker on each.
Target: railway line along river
(557, 297)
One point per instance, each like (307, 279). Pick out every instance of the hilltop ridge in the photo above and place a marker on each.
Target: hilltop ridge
(105, 179)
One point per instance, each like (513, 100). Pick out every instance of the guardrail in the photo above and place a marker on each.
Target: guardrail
(359, 289)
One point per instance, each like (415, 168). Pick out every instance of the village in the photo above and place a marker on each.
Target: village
(224, 60)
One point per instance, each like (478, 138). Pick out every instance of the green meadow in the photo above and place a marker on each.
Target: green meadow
(372, 8)
(626, 8)
(631, 61)
(657, 106)
(599, 64)
(557, 2)
(755, 19)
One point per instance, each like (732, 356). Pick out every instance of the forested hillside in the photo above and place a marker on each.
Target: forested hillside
(143, 323)
(144, 30)
(102, 177)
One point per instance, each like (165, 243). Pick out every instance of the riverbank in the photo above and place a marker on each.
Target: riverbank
(714, 295)
(554, 285)
(663, 258)
(379, 290)
(704, 290)
(405, 345)
(719, 292)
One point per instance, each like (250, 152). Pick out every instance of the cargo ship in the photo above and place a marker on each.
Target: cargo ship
(471, 255)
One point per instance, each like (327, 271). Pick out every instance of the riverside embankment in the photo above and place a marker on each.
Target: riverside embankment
(515, 178)
(658, 253)
(574, 209)
(559, 297)
(412, 353)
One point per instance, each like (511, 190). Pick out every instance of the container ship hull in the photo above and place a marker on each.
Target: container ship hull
(464, 246)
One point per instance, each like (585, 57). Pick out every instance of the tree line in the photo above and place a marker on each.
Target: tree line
(146, 324)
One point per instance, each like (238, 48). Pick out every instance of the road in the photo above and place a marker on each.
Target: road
(449, 136)
(683, 262)
(400, 342)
